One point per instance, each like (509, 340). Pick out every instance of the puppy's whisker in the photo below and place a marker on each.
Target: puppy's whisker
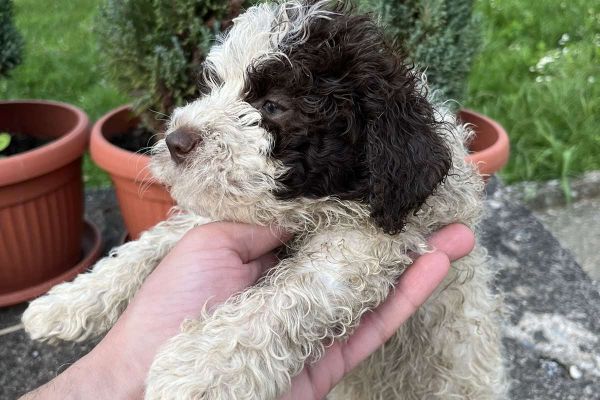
(163, 117)
(146, 150)
(147, 178)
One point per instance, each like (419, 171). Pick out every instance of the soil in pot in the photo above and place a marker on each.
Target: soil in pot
(21, 142)
(137, 140)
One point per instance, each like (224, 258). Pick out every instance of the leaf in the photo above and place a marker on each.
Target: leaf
(4, 140)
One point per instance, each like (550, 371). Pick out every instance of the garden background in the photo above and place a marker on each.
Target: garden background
(538, 74)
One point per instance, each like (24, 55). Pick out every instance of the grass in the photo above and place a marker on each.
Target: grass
(542, 85)
(62, 62)
(539, 75)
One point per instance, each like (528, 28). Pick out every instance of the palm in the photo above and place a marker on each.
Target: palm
(203, 270)
(414, 287)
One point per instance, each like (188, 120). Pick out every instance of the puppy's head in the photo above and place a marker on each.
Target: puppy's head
(303, 101)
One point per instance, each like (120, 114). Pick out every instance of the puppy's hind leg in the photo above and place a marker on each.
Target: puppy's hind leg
(93, 302)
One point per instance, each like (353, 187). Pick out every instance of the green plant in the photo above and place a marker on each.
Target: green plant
(11, 42)
(539, 75)
(153, 48)
(440, 36)
(5, 139)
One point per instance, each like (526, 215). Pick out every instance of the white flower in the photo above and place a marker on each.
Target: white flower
(541, 64)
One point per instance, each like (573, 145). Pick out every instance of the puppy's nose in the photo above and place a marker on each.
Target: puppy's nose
(181, 142)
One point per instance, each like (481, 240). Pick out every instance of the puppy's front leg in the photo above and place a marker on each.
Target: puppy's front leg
(93, 302)
(251, 346)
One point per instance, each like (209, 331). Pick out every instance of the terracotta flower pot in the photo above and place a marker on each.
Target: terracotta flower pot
(490, 146)
(41, 199)
(143, 203)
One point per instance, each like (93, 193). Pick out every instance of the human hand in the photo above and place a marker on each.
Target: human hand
(210, 264)
(415, 285)
(206, 267)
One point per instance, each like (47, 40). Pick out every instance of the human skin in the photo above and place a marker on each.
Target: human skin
(205, 268)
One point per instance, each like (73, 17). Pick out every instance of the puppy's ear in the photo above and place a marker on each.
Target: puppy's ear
(407, 158)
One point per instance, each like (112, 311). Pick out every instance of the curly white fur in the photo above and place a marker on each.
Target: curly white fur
(343, 266)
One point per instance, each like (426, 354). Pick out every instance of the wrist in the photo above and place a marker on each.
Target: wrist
(113, 372)
(96, 376)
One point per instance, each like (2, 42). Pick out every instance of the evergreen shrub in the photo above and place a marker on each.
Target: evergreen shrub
(153, 49)
(440, 36)
(11, 42)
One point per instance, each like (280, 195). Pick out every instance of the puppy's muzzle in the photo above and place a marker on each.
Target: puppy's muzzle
(181, 142)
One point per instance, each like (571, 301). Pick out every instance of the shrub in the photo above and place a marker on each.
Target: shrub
(439, 36)
(153, 48)
(11, 42)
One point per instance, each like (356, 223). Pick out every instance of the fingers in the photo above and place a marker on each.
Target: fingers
(248, 241)
(258, 266)
(251, 241)
(416, 284)
(456, 240)
(414, 287)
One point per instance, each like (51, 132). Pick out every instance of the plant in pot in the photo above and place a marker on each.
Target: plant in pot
(442, 37)
(43, 238)
(153, 50)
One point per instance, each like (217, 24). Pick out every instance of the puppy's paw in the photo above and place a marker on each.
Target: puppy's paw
(62, 314)
(48, 319)
(197, 364)
(178, 370)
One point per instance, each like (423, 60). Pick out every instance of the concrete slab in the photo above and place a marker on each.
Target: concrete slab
(576, 223)
(577, 227)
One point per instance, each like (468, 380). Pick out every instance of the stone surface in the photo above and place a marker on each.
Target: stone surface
(553, 315)
(556, 193)
(575, 221)
(553, 308)
(577, 226)
(25, 365)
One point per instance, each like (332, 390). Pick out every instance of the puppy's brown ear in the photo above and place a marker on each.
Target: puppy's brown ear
(407, 158)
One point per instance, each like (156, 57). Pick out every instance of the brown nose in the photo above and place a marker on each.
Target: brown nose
(181, 142)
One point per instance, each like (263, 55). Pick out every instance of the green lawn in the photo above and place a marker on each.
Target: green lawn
(539, 75)
(62, 62)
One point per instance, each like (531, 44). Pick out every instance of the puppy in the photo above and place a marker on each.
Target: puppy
(310, 121)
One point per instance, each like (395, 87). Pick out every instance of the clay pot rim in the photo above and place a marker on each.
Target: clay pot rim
(49, 157)
(115, 160)
(494, 157)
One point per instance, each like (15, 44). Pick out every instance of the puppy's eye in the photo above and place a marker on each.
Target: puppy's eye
(270, 107)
